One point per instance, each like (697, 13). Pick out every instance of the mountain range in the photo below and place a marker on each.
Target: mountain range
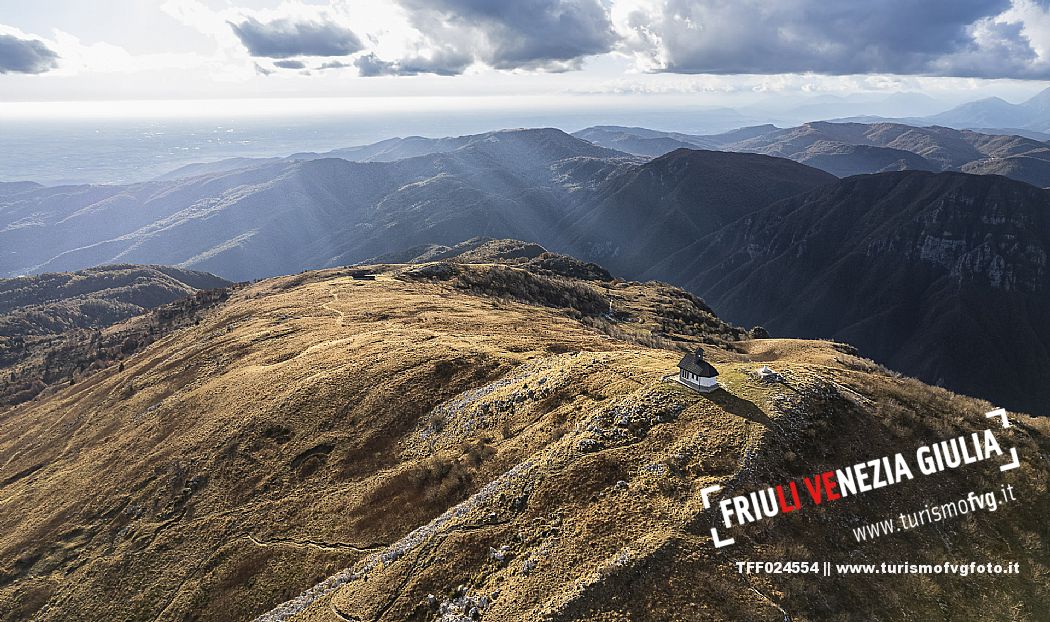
(277, 218)
(926, 255)
(993, 115)
(281, 217)
(845, 149)
(489, 435)
(1031, 114)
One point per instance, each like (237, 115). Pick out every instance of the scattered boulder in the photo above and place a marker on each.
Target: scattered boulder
(440, 271)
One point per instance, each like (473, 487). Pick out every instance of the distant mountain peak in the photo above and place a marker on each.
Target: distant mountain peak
(1040, 101)
(995, 112)
(991, 100)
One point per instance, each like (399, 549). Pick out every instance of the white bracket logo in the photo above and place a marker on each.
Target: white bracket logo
(1001, 413)
(719, 542)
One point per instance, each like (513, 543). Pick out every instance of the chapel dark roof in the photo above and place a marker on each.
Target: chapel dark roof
(694, 362)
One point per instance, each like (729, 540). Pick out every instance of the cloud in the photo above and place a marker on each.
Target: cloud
(19, 55)
(793, 40)
(524, 34)
(371, 65)
(442, 63)
(968, 38)
(283, 38)
(334, 64)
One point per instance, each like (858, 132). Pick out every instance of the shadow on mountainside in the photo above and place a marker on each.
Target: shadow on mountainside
(738, 406)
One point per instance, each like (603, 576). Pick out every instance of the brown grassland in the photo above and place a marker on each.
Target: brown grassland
(419, 446)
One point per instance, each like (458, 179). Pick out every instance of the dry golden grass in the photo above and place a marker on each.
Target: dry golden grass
(313, 422)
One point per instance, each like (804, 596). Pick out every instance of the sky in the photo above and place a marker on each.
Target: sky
(184, 57)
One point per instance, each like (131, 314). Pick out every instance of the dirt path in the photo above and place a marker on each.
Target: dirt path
(315, 544)
(328, 307)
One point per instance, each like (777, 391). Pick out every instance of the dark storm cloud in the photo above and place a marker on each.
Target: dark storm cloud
(25, 55)
(530, 34)
(284, 38)
(934, 37)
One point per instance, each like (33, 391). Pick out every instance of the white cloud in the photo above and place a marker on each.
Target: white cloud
(78, 57)
(1034, 20)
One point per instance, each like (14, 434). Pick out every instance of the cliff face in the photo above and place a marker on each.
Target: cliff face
(492, 436)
